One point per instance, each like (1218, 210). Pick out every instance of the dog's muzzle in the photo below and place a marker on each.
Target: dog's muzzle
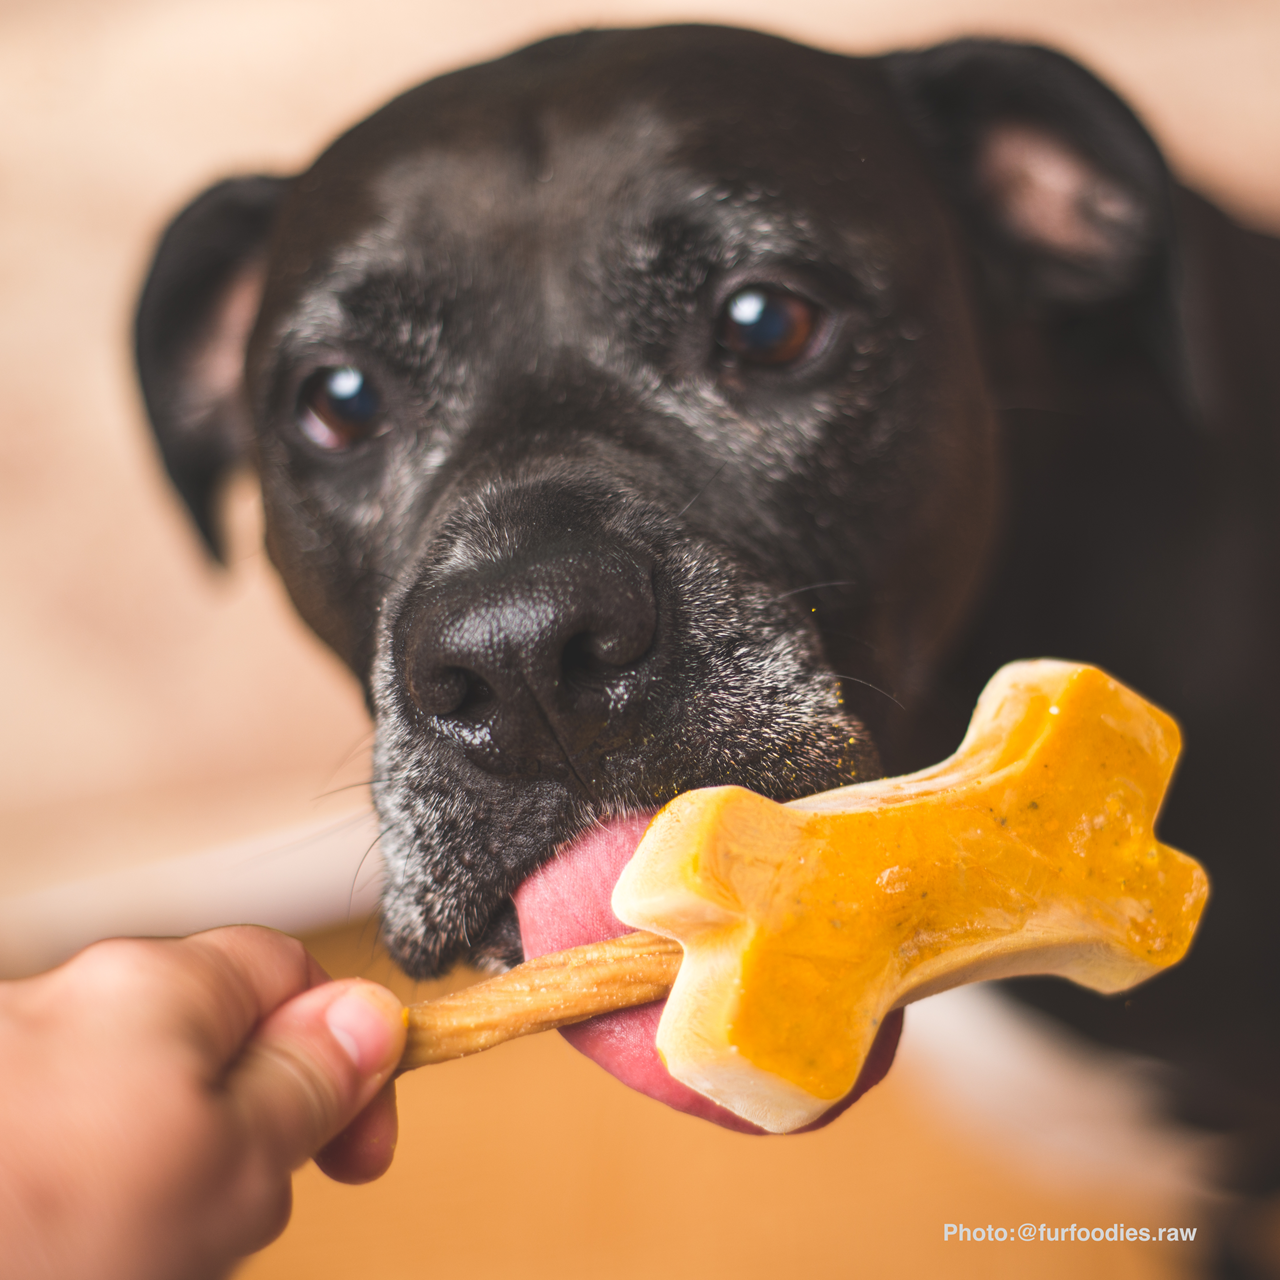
(536, 663)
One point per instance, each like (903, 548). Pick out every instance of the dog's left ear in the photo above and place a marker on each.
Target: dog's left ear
(197, 309)
(1065, 197)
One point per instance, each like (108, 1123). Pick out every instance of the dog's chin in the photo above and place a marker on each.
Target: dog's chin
(566, 903)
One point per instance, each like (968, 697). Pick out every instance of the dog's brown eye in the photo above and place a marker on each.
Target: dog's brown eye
(763, 325)
(338, 408)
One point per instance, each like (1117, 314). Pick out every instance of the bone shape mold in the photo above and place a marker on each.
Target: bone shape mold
(1031, 850)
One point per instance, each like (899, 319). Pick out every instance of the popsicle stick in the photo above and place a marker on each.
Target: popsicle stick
(551, 991)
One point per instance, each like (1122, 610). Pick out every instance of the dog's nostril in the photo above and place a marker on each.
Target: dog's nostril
(476, 699)
(586, 660)
(576, 662)
(450, 691)
(581, 663)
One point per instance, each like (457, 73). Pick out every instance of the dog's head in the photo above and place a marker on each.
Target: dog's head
(623, 418)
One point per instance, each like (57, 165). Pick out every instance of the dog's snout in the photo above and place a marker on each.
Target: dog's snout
(534, 663)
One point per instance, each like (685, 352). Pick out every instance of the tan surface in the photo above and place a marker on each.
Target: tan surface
(529, 1161)
(151, 706)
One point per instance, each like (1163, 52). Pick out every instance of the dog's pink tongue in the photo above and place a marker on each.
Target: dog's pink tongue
(566, 904)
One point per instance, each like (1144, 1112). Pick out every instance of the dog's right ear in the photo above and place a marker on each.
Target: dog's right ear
(194, 318)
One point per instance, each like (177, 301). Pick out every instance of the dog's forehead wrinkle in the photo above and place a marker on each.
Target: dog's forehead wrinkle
(402, 313)
(378, 247)
(749, 223)
(685, 238)
(314, 319)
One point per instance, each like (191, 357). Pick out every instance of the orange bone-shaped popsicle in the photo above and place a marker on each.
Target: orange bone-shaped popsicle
(1030, 850)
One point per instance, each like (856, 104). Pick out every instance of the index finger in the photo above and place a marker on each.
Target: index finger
(245, 972)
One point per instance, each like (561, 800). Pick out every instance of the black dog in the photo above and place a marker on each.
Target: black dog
(651, 410)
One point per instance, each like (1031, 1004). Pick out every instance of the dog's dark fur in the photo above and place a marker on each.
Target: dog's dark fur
(591, 558)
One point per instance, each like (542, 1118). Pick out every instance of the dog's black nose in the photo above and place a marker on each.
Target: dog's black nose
(536, 665)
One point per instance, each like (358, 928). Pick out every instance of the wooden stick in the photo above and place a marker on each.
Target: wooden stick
(552, 991)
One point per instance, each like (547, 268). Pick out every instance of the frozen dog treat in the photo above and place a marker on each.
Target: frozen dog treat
(1030, 851)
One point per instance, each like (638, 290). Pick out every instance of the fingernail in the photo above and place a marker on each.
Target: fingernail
(362, 1023)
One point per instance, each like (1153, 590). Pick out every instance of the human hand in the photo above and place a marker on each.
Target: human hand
(155, 1096)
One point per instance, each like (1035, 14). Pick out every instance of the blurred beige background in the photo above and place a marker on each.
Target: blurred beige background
(157, 709)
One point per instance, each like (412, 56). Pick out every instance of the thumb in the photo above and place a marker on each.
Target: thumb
(313, 1066)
